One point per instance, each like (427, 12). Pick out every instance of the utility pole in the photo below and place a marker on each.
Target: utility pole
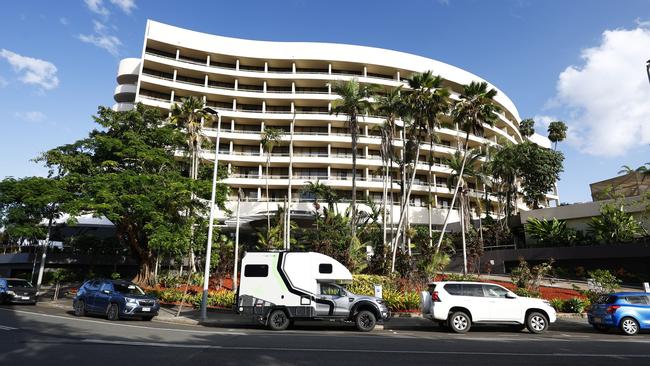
(208, 251)
(234, 275)
(647, 69)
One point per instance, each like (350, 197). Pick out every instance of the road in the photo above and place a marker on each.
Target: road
(31, 335)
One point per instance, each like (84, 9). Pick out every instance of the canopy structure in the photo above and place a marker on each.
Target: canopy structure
(629, 185)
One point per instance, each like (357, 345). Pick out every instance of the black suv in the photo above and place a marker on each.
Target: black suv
(17, 291)
(114, 299)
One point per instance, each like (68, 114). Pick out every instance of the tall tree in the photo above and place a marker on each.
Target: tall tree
(271, 137)
(353, 101)
(128, 172)
(190, 117)
(557, 132)
(539, 169)
(527, 127)
(475, 109)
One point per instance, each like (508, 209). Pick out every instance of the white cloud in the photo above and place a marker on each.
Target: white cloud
(126, 6)
(97, 7)
(31, 116)
(64, 21)
(33, 70)
(102, 39)
(608, 96)
(542, 121)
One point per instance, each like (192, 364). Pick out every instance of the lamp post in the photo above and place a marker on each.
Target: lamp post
(208, 252)
(647, 69)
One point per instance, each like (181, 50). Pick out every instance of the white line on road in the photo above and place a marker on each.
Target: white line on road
(123, 325)
(361, 350)
(4, 327)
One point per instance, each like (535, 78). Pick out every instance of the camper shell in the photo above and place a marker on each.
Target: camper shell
(301, 285)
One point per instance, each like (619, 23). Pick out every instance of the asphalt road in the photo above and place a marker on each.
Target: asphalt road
(31, 335)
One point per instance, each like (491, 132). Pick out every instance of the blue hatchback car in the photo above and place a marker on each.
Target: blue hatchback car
(628, 311)
(114, 299)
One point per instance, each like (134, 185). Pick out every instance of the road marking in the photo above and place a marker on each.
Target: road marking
(123, 325)
(4, 327)
(361, 350)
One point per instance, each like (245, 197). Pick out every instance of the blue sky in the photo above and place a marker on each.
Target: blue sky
(578, 61)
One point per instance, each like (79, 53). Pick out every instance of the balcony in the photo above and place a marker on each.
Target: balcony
(125, 93)
(127, 72)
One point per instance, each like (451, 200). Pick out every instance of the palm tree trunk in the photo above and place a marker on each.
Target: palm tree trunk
(268, 199)
(353, 133)
(431, 155)
(288, 221)
(384, 203)
(453, 199)
(462, 230)
(403, 209)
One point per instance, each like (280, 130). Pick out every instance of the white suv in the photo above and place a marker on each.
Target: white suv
(458, 305)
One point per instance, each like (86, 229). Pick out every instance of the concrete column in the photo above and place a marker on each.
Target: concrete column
(229, 169)
(232, 125)
(174, 77)
(365, 71)
(293, 87)
(259, 193)
(329, 88)
(262, 126)
(236, 84)
(292, 107)
(266, 66)
(260, 170)
(264, 85)
(234, 104)
(178, 54)
(365, 151)
(329, 170)
(263, 106)
(398, 76)
(329, 128)
(329, 69)
(207, 62)
(172, 97)
(293, 67)
(329, 106)
(329, 150)
(237, 65)
(206, 79)
(232, 147)
(365, 130)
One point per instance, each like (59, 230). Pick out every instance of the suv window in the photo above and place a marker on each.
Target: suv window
(453, 289)
(472, 290)
(637, 300)
(494, 291)
(329, 289)
(93, 285)
(107, 286)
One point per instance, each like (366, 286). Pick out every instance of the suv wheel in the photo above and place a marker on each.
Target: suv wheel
(536, 322)
(278, 320)
(365, 321)
(629, 326)
(459, 322)
(80, 308)
(113, 312)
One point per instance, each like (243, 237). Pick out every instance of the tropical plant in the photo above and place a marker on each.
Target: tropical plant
(552, 232)
(527, 127)
(614, 225)
(353, 101)
(530, 278)
(604, 282)
(539, 169)
(475, 108)
(271, 137)
(557, 132)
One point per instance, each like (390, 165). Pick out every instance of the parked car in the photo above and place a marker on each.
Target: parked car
(17, 291)
(114, 299)
(628, 311)
(459, 305)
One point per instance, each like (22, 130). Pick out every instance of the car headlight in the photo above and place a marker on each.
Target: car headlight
(9, 292)
(130, 300)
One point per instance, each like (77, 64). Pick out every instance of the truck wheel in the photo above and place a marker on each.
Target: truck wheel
(365, 321)
(459, 322)
(629, 326)
(536, 322)
(80, 308)
(113, 312)
(278, 320)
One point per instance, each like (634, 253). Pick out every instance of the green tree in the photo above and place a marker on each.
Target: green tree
(527, 127)
(614, 225)
(127, 171)
(551, 232)
(271, 137)
(539, 169)
(353, 101)
(557, 132)
(475, 108)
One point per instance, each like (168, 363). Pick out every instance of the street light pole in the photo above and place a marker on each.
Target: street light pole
(647, 69)
(208, 252)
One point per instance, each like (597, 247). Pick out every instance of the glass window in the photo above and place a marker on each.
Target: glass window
(473, 290)
(494, 291)
(128, 289)
(325, 268)
(93, 285)
(453, 289)
(637, 300)
(330, 289)
(256, 270)
(106, 286)
(18, 283)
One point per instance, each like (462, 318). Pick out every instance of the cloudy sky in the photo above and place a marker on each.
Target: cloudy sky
(580, 61)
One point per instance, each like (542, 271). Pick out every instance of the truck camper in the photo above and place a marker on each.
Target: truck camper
(279, 287)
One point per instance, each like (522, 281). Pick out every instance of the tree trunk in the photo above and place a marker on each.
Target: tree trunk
(462, 230)
(353, 132)
(403, 210)
(268, 199)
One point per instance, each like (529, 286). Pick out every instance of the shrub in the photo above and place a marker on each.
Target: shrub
(529, 278)
(398, 300)
(575, 305)
(557, 304)
(460, 277)
(604, 282)
(221, 298)
(527, 293)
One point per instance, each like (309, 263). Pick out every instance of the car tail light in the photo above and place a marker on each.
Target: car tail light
(435, 297)
(612, 309)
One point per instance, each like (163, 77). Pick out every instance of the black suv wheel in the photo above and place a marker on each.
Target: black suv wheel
(365, 321)
(80, 308)
(113, 312)
(278, 320)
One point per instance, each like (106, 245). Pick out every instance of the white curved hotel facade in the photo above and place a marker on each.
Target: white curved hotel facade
(256, 84)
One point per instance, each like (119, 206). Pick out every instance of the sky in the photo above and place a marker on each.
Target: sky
(579, 61)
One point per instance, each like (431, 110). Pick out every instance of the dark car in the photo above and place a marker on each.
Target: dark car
(114, 299)
(628, 311)
(17, 291)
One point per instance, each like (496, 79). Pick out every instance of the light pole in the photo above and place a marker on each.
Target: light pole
(647, 69)
(208, 251)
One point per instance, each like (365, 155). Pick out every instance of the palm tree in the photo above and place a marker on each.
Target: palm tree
(527, 127)
(504, 169)
(390, 105)
(271, 137)
(425, 102)
(557, 132)
(190, 116)
(353, 101)
(475, 108)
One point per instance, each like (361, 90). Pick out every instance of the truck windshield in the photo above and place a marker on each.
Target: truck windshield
(18, 283)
